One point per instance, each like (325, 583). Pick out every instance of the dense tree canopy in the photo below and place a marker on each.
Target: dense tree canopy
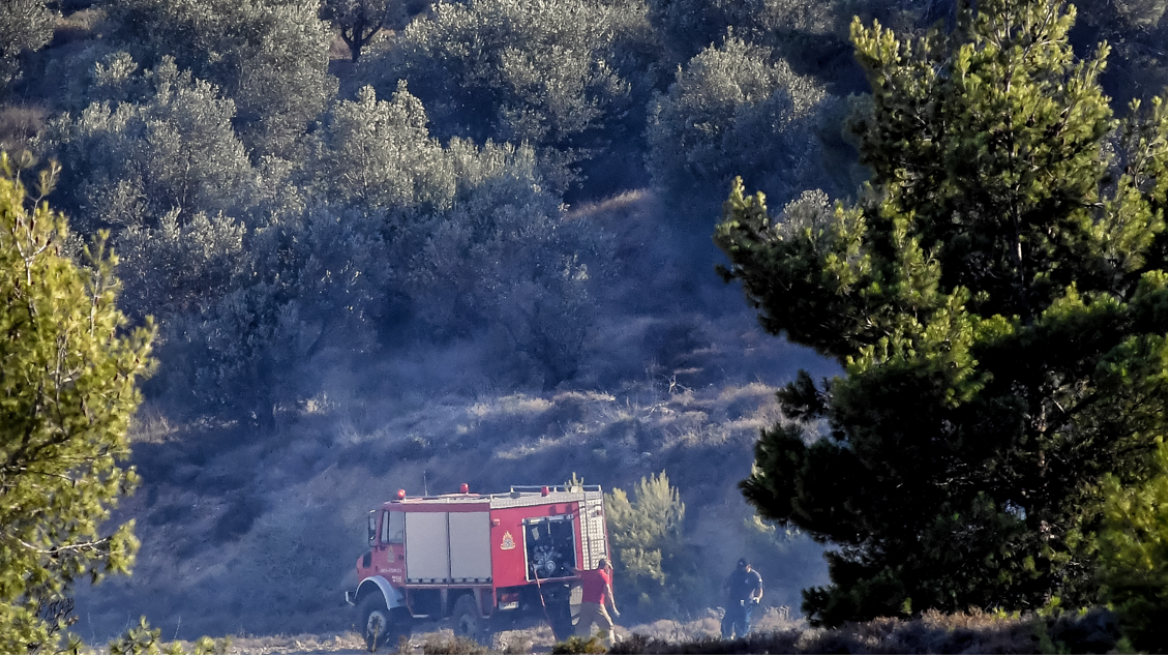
(736, 110)
(996, 301)
(69, 372)
(687, 27)
(24, 25)
(269, 56)
(164, 141)
(557, 75)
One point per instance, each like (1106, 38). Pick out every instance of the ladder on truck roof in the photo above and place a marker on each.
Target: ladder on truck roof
(538, 489)
(592, 525)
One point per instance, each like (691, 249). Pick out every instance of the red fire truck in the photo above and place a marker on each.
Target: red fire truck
(471, 557)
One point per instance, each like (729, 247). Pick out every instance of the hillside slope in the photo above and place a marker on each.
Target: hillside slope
(251, 533)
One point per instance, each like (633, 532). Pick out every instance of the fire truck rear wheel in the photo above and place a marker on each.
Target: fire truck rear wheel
(375, 620)
(560, 613)
(467, 619)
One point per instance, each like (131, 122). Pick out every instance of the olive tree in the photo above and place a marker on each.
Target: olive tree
(735, 110)
(24, 25)
(169, 144)
(269, 56)
(360, 20)
(558, 75)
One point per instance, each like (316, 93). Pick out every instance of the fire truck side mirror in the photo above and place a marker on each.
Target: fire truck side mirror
(372, 526)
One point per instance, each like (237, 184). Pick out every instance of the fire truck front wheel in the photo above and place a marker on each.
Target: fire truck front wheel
(376, 620)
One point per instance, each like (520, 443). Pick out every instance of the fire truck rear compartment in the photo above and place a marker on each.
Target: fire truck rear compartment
(550, 545)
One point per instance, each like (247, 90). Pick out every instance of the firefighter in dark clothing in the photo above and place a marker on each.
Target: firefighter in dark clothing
(744, 592)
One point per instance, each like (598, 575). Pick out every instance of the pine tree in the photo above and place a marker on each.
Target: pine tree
(653, 565)
(996, 300)
(69, 369)
(1134, 554)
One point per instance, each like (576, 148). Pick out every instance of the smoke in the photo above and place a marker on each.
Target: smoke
(247, 532)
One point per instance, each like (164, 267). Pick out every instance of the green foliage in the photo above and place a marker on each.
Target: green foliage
(142, 639)
(174, 267)
(655, 569)
(463, 234)
(163, 141)
(551, 74)
(1134, 553)
(380, 153)
(24, 25)
(479, 240)
(580, 645)
(209, 645)
(994, 300)
(69, 370)
(269, 56)
(734, 109)
(686, 27)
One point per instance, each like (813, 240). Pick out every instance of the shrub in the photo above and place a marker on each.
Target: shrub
(143, 639)
(164, 142)
(734, 110)
(1133, 547)
(269, 56)
(557, 75)
(656, 570)
(579, 645)
(24, 25)
(685, 27)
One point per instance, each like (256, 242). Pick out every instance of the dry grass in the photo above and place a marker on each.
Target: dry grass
(620, 206)
(973, 632)
(84, 19)
(250, 533)
(78, 26)
(150, 425)
(341, 643)
(19, 124)
(338, 49)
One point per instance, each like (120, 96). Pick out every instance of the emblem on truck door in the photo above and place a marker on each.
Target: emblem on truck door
(508, 542)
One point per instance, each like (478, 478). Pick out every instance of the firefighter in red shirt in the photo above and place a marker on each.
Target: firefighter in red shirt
(597, 587)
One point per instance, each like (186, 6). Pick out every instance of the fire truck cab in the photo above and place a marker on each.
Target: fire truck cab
(470, 557)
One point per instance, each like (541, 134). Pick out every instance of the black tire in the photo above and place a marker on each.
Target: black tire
(375, 620)
(560, 613)
(468, 621)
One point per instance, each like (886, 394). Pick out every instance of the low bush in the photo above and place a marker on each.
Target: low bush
(1134, 554)
(579, 645)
